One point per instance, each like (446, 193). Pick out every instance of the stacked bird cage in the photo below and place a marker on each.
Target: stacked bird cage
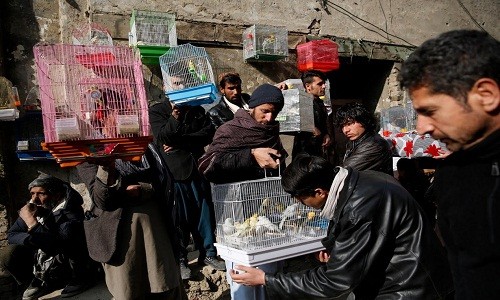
(297, 114)
(258, 222)
(152, 34)
(321, 55)
(92, 34)
(93, 102)
(265, 43)
(187, 74)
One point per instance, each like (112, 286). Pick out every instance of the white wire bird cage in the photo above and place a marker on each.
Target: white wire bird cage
(91, 34)
(258, 216)
(152, 34)
(297, 114)
(187, 75)
(265, 43)
(93, 101)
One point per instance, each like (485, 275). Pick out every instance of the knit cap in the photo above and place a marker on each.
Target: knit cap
(267, 93)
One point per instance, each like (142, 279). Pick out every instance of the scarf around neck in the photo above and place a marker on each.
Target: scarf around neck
(333, 196)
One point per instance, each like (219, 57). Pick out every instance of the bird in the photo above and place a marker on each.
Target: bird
(289, 212)
(246, 228)
(264, 225)
(228, 226)
(264, 206)
(192, 70)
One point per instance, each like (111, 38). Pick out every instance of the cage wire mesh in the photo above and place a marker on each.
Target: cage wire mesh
(264, 42)
(259, 214)
(297, 113)
(188, 68)
(151, 28)
(91, 34)
(90, 92)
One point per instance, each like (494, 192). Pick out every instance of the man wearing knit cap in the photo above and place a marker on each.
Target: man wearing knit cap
(48, 235)
(248, 147)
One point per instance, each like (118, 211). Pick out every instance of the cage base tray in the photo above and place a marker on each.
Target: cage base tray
(264, 256)
(73, 153)
(265, 57)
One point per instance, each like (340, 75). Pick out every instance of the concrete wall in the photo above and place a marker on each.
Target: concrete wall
(371, 26)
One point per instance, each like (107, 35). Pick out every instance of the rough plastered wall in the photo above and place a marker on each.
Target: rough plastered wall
(218, 25)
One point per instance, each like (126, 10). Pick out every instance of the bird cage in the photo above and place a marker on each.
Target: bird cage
(265, 43)
(321, 55)
(187, 75)
(93, 102)
(297, 114)
(152, 34)
(257, 222)
(91, 34)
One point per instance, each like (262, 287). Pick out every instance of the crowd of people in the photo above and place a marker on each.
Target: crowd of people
(390, 238)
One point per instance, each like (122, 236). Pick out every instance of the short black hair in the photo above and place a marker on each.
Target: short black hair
(451, 63)
(229, 77)
(307, 173)
(355, 112)
(308, 76)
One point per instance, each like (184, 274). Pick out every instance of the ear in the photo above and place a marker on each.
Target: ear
(321, 192)
(488, 92)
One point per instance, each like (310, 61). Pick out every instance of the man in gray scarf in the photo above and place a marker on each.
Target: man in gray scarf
(379, 244)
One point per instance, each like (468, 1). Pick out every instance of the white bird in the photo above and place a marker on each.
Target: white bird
(246, 228)
(290, 211)
(264, 224)
(228, 226)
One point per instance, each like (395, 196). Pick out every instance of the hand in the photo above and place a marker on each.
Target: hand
(316, 132)
(250, 276)
(133, 191)
(177, 111)
(282, 86)
(28, 214)
(442, 154)
(326, 141)
(167, 148)
(322, 256)
(265, 157)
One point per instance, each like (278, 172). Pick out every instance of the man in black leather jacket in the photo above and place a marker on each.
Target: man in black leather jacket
(366, 150)
(380, 246)
(232, 99)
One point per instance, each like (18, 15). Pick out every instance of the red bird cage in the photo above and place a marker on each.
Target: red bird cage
(93, 102)
(321, 55)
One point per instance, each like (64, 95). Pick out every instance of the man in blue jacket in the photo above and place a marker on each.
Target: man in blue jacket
(48, 237)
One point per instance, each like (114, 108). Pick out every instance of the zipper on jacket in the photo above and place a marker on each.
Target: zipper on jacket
(495, 172)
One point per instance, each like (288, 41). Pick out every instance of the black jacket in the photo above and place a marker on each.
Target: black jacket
(221, 113)
(369, 152)
(188, 136)
(381, 248)
(467, 190)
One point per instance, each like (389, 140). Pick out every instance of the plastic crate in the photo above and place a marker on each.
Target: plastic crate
(265, 43)
(257, 216)
(321, 55)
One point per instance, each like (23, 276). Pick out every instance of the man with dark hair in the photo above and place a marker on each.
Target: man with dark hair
(316, 142)
(48, 237)
(366, 150)
(232, 99)
(454, 83)
(378, 243)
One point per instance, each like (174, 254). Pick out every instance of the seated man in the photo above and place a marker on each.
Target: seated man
(48, 237)
(366, 150)
(379, 245)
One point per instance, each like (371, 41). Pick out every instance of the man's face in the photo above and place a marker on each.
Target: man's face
(448, 120)
(40, 197)
(353, 130)
(232, 92)
(177, 83)
(264, 113)
(317, 87)
(317, 201)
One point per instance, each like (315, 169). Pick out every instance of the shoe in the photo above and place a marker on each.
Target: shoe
(216, 264)
(36, 289)
(74, 287)
(184, 269)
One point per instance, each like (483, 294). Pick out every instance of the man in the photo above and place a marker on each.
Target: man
(232, 99)
(183, 132)
(48, 237)
(245, 148)
(454, 81)
(316, 142)
(379, 244)
(366, 150)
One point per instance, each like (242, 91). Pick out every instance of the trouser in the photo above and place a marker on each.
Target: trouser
(195, 216)
(17, 260)
(242, 292)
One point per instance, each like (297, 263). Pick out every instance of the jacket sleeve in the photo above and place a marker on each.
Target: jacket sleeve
(348, 265)
(368, 155)
(105, 197)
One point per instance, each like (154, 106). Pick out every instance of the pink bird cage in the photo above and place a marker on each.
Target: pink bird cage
(93, 102)
(321, 55)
